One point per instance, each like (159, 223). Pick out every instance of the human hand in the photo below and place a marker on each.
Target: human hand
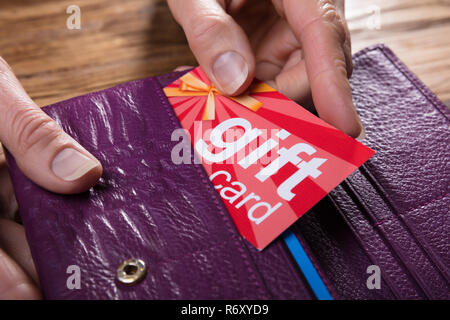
(301, 47)
(46, 155)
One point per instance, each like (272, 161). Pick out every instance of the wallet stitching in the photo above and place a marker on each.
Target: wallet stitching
(412, 209)
(434, 262)
(427, 94)
(220, 209)
(378, 187)
(413, 79)
(392, 286)
(365, 209)
(429, 251)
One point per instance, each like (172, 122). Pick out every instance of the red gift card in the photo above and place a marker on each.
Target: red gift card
(269, 159)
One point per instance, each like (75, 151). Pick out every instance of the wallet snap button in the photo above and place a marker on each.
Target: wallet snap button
(131, 271)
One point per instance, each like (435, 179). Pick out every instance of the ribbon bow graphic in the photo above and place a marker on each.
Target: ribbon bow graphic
(192, 86)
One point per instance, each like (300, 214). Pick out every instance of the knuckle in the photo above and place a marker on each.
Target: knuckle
(31, 127)
(207, 25)
(331, 15)
(341, 66)
(338, 65)
(328, 9)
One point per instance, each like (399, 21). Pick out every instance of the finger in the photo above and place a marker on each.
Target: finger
(319, 28)
(14, 243)
(15, 284)
(274, 50)
(42, 150)
(292, 81)
(218, 42)
(233, 6)
(279, 60)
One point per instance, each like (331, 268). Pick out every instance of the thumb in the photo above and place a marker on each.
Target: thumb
(42, 150)
(218, 42)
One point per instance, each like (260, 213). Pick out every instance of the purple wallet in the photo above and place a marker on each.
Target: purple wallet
(392, 213)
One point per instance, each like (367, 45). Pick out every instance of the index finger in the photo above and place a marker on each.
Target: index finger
(321, 31)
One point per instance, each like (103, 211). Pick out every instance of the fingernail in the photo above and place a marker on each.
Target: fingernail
(230, 71)
(71, 164)
(362, 135)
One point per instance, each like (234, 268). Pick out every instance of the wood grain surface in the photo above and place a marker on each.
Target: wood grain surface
(123, 40)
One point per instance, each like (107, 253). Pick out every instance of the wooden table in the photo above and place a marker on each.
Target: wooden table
(127, 40)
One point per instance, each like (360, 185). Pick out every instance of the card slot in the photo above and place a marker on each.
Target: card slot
(405, 245)
(281, 285)
(338, 255)
(392, 214)
(409, 175)
(431, 231)
(375, 246)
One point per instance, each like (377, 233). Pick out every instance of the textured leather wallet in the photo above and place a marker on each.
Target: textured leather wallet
(391, 213)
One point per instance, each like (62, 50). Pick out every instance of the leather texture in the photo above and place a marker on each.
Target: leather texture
(393, 212)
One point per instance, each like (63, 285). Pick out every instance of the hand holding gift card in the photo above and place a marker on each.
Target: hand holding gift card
(268, 158)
